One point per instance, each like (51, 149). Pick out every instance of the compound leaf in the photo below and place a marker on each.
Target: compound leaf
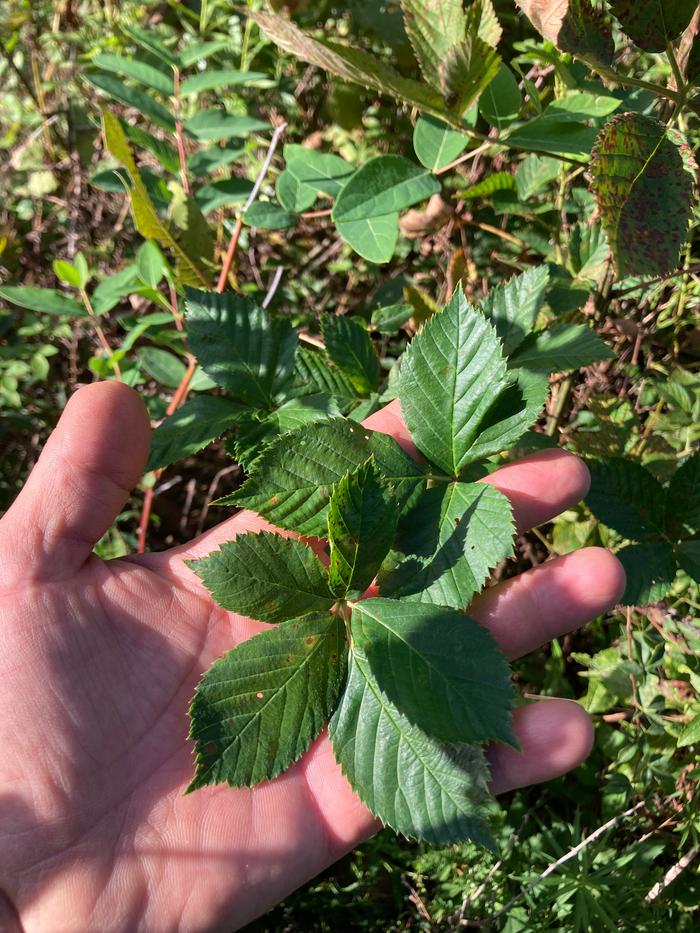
(643, 182)
(291, 483)
(443, 670)
(561, 348)
(361, 525)
(243, 349)
(351, 349)
(654, 23)
(419, 786)
(512, 307)
(453, 538)
(258, 709)
(197, 423)
(265, 576)
(627, 498)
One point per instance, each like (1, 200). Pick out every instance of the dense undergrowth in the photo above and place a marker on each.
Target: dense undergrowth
(612, 846)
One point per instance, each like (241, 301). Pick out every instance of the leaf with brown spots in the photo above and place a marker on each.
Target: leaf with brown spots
(643, 179)
(259, 707)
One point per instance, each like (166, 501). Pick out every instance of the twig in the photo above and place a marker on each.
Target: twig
(496, 231)
(235, 236)
(182, 157)
(181, 392)
(272, 288)
(671, 875)
(572, 853)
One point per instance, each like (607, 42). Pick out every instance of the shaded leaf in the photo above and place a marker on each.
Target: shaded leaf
(313, 374)
(268, 216)
(561, 348)
(436, 144)
(574, 26)
(443, 670)
(350, 347)
(433, 28)
(132, 97)
(496, 181)
(500, 102)
(389, 319)
(688, 557)
(217, 124)
(453, 538)
(626, 497)
(373, 238)
(683, 499)
(643, 182)
(291, 483)
(385, 184)
(653, 23)
(265, 576)
(566, 138)
(258, 709)
(222, 193)
(405, 477)
(512, 306)
(193, 426)
(419, 786)
(243, 349)
(650, 570)
(161, 365)
(361, 524)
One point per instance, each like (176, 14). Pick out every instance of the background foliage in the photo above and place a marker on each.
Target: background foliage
(614, 845)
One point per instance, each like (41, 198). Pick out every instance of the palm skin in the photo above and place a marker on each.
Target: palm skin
(98, 663)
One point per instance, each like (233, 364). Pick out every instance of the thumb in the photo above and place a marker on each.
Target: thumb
(90, 463)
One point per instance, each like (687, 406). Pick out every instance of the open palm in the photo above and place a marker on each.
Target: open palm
(98, 662)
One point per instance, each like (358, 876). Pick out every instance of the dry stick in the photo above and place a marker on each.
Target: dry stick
(572, 853)
(672, 874)
(181, 391)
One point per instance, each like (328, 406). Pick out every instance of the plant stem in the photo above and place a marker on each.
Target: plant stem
(85, 298)
(560, 401)
(178, 133)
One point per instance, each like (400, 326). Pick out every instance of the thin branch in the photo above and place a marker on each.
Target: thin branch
(182, 157)
(672, 874)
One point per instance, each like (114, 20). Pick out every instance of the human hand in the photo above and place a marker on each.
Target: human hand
(98, 663)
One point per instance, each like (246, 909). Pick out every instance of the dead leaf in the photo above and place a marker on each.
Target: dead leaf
(574, 26)
(417, 223)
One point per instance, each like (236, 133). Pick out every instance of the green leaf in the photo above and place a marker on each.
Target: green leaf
(454, 537)
(265, 576)
(193, 426)
(419, 786)
(313, 374)
(162, 366)
(683, 499)
(217, 124)
(513, 306)
(132, 97)
(297, 411)
(433, 28)
(150, 263)
(374, 238)
(351, 349)
(146, 218)
(496, 181)
(67, 272)
(489, 27)
(627, 498)
(650, 570)
(688, 557)
(690, 733)
(164, 153)
(109, 292)
(149, 75)
(352, 65)
(567, 138)
(467, 69)
(561, 348)
(268, 216)
(243, 349)
(588, 251)
(324, 172)
(259, 708)
(500, 102)
(210, 79)
(384, 185)
(642, 178)
(292, 194)
(148, 39)
(361, 524)
(580, 105)
(534, 174)
(436, 144)
(451, 375)
(222, 193)
(198, 51)
(574, 26)
(405, 477)
(291, 483)
(204, 162)
(654, 23)
(46, 300)
(443, 670)
(389, 319)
